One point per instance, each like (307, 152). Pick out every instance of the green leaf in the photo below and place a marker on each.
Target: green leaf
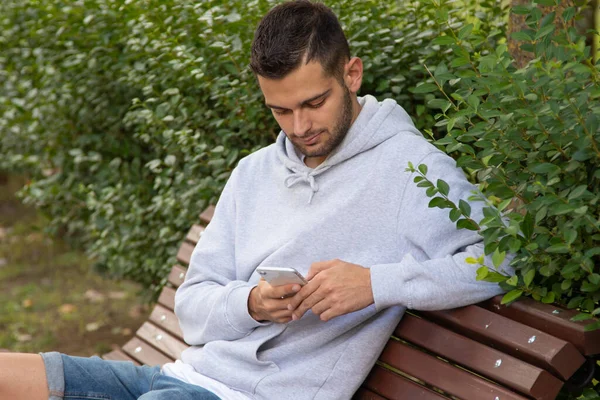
(455, 214)
(575, 302)
(467, 224)
(425, 88)
(592, 327)
(527, 225)
(443, 187)
(442, 104)
(495, 277)
(549, 298)
(545, 168)
(589, 287)
(464, 207)
(523, 36)
(520, 10)
(528, 277)
(566, 285)
(498, 258)
(594, 278)
(471, 260)
(439, 202)
(582, 317)
(568, 14)
(545, 31)
(558, 248)
(460, 62)
(511, 296)
(444, 40)
(577, 192)
(465, 31)
(513, 281)
(482, 272)
(423, 169)
(570, 235)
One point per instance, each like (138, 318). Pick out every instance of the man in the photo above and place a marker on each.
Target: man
(330, 198)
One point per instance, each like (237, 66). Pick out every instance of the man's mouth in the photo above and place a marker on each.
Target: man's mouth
(311, 139)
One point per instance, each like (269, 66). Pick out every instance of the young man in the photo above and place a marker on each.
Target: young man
(330, 198)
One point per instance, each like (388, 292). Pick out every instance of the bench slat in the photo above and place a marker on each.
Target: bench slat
(144, 353)
(442, 375)
(167, 320)
(194, 234)
(207, 214)
(118, 355)
(185, 253)
(161, 340)
(477, 357)
(519, 340)
(366, 394)
(177, 275)
(550, 319)
(396, 387)
(167, 298)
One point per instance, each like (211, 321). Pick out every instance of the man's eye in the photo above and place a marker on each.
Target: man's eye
(317, 105)
(280, 112)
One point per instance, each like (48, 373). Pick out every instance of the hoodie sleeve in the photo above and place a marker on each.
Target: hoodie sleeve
(436, 277)
(212, 303)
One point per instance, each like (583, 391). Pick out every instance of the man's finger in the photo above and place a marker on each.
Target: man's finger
(329, 314)
(317, 267)
(307, 304)
(321, 307)
(304, 292)
(283, 291)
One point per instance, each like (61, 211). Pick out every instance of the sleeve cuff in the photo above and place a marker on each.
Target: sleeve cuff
(236, 310)
(390, 287)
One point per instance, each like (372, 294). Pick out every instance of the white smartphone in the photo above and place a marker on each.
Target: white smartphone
(277, 276)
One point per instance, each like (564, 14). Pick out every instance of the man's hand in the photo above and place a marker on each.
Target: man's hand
(335, 288)
(269, 303)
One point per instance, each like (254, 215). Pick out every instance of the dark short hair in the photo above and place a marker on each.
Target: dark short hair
(294, 30)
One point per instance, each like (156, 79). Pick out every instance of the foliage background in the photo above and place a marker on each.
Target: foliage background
(129, 116)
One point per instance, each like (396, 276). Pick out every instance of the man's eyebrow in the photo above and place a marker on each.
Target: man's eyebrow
(302, 103)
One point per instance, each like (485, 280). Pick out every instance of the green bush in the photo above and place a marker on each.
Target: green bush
(129, 116)
(530, 134)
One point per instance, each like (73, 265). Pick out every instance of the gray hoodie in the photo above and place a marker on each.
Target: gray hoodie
(360, 206)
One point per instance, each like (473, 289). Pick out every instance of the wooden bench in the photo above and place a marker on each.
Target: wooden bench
(485, 351)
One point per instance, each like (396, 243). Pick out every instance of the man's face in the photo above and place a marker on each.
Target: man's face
(313, 110)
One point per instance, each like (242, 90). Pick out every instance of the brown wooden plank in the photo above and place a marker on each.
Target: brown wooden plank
(167, 298)
(481, 359)
(185, 253)
(445, 376)
(207, 215)
(551, 319)
(144, 353)
(167, 320)
(118, 355)
(366, 394)
(396, 387)
(519, 340)
(194, 234)
(161, 340)
(177, 275)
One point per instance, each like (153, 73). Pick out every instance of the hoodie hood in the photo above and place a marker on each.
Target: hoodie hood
(376, 122)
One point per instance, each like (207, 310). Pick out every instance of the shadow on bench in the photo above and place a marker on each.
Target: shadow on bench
(485, 351)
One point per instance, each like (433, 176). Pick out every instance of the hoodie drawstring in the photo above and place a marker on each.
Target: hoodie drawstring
(297, 177)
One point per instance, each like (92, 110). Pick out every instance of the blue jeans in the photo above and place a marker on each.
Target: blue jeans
(76, 378)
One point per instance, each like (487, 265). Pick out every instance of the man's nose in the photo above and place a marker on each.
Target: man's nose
(302, 123)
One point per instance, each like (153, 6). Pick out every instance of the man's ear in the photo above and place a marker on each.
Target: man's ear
(353, 73)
